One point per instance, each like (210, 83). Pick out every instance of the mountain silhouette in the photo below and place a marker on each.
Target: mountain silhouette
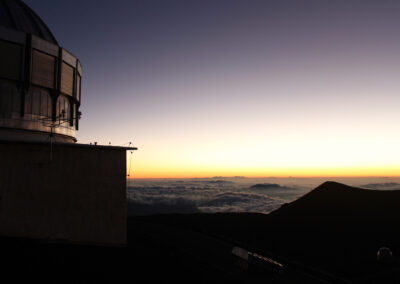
(334, 228)
(334, 203)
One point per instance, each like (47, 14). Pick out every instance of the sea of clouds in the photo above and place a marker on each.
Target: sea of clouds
(161, 196)
(207, 195)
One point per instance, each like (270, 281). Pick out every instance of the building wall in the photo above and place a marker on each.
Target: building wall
(67, 192)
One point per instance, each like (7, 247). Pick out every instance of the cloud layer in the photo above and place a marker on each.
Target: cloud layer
(383, 186)
(207, 196)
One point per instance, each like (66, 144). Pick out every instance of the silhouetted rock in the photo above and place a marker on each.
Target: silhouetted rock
(334, 203)
(333, 232)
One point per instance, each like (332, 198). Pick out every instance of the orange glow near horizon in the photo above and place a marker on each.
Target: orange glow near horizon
(281, 157)
(159, 172)
(265, 91)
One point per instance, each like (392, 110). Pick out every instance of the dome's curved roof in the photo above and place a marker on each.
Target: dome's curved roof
(14, 14)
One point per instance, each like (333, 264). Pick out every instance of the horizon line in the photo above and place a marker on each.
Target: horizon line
(260, 177)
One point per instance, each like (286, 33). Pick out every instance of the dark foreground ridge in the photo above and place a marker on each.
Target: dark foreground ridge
(330, 235)
(339, 204)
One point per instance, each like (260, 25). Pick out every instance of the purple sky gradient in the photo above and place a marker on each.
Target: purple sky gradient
(214, 77)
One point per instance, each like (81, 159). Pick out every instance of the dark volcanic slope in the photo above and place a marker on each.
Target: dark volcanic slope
(339, 228)
(330, 235)
(340, 204)
(334, 228)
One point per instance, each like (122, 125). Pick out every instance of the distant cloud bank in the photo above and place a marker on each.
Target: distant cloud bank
(207, 196)
(219, 194)
(383, 186)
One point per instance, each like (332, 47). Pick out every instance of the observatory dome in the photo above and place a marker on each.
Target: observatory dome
(16, 15)
(40, 82)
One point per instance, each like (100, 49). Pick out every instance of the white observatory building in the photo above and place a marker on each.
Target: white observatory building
(51, 187)
(40, 82)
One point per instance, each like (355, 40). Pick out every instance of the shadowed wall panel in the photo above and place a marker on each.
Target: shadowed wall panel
(10, 99)
(43, 66)
(10, 58)
(67, 79)
(78, 195)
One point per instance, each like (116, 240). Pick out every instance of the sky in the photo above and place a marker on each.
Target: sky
(250, 88)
